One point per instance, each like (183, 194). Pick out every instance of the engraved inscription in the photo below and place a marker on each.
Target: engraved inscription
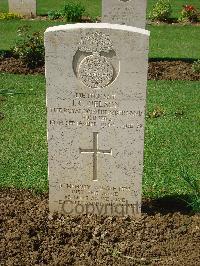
(96, 109)
(95, 152)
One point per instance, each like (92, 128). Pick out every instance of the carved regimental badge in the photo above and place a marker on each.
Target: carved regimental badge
(95, 63)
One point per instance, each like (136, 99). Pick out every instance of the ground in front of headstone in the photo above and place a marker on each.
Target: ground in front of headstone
(31, 237)
(158, 70)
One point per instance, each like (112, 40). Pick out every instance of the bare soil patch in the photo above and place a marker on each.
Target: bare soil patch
(173, 21)
(15, 66)
(158, 70)
(172, 70)
(29, 236)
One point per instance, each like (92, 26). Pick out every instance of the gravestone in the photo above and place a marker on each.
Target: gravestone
(96, 77)
(23, 7)
(128, 12)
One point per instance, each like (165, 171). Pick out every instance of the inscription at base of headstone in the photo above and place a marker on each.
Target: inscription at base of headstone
(23, 7)
(96, 77)
(126, 12)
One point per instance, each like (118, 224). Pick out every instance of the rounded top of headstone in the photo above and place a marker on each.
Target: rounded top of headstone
(88, 26)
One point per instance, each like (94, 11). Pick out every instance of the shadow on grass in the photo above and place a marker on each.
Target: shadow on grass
(9, 54)
(11, 91)
(167, 204)
(6, 54)
(169, 59)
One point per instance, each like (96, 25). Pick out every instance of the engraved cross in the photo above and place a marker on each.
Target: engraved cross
(95, 152)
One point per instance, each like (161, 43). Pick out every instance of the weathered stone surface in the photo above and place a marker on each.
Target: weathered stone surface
(23, 7)
(128, 12)
(96, 78)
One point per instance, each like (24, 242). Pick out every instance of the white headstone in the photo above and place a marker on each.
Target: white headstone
(23, 7)
(127, 12)
(96, 78)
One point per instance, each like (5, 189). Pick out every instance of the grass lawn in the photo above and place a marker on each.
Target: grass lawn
(23, 154)
(172, 140)
(174, 42)
(8, 30)
(93, 8)
(171, 145)
(3, 5)
(165, 41)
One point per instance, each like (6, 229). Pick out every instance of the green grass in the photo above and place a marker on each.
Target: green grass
(171, 144)
(172, 140)
(174, 42)
(8, 30)
(23, 154)
(3, 5)
(165, 41)
(94, 7)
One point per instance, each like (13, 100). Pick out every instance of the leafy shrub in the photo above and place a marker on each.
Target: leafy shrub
(189, 13)
(29, 47)
(196, 66)
(161, 11)
(54, 14)
(9, 16)
(73, 12)
(70, 13)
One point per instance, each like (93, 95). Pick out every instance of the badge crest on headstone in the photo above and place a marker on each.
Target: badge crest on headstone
(94, 66)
